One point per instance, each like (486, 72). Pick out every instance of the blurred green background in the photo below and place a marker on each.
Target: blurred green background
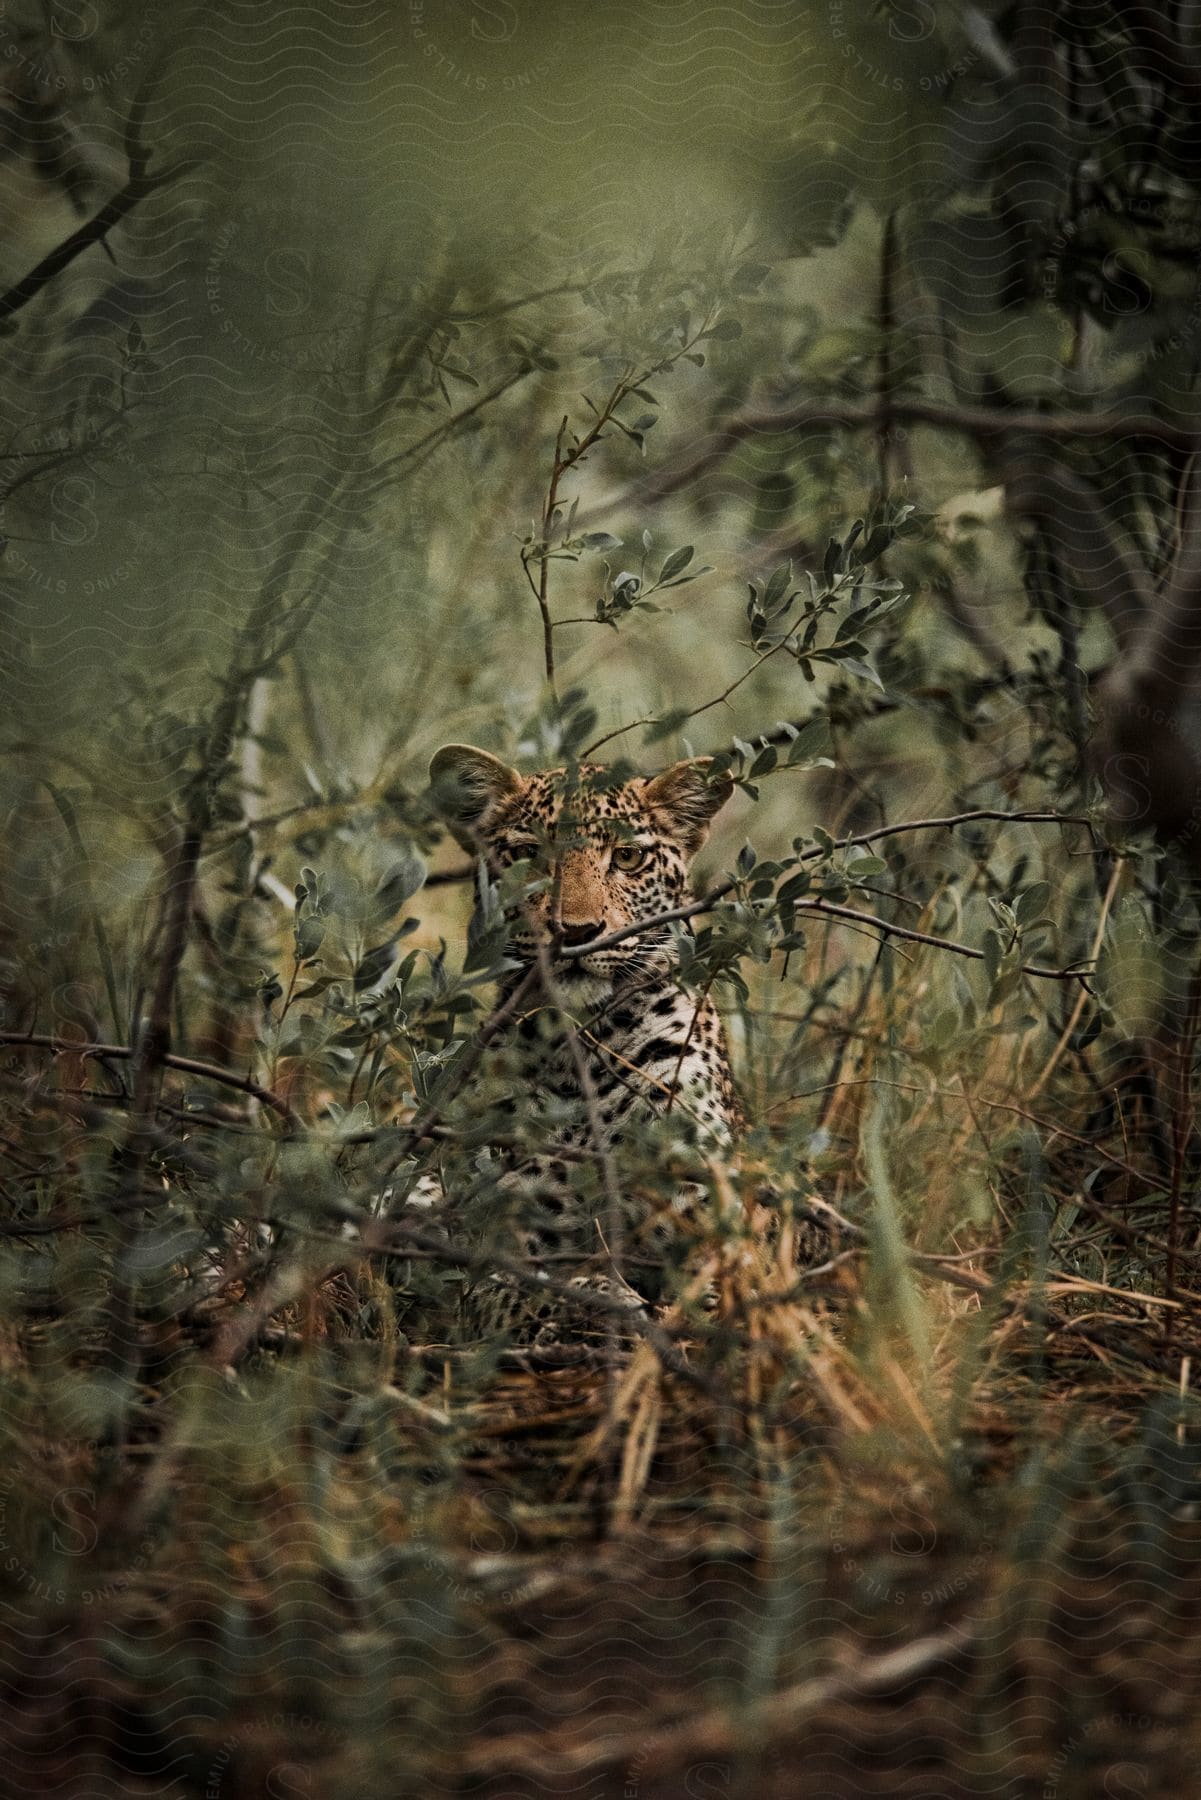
(279, 423)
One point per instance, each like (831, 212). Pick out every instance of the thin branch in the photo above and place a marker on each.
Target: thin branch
(628, 384)
(473, 315)
(431, 1114)
(558, 469)
(377, 477)
(985, 424)
(64, 254)
(188, 1065)
(948, 820)
(1065, 1037)
(886, 319)
(94, 230)
(758, 663)
(828, 909)
(709, 900)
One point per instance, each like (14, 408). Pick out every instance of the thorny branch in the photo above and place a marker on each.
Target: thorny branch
(94, 230)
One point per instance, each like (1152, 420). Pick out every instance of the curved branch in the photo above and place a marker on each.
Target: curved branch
(189, 1065)
(852, 915)
(707, 901)
(985, 424)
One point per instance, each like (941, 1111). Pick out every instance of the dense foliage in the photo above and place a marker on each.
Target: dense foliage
(811, 388)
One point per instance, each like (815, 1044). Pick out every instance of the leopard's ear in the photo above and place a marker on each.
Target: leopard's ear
(686, 797)
(469, 784)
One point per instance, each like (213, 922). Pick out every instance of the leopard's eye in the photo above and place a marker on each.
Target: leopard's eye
(521, 849)
(628, 857)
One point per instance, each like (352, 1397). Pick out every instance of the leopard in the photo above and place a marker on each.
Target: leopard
(610, 1037)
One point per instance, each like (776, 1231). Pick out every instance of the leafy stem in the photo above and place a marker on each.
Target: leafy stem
(543, 546)
(844, 576)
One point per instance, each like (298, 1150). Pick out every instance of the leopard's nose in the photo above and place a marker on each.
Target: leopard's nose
(574, 934)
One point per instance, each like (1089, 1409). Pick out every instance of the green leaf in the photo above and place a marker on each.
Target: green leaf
(831, 561)
(853, 622)
(375, 963)
(310, 934)
(692, 575)
(776, 587)
(457, 374)
(1004, 914)
(811, 741)
(863, 669)
(351, 1036)
(1005, 984)
(1031, 904)
(794, 887)
(677, 561)
(398, 885)
(314, 987)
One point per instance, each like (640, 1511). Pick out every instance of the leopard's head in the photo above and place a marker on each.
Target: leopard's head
(612, 853)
